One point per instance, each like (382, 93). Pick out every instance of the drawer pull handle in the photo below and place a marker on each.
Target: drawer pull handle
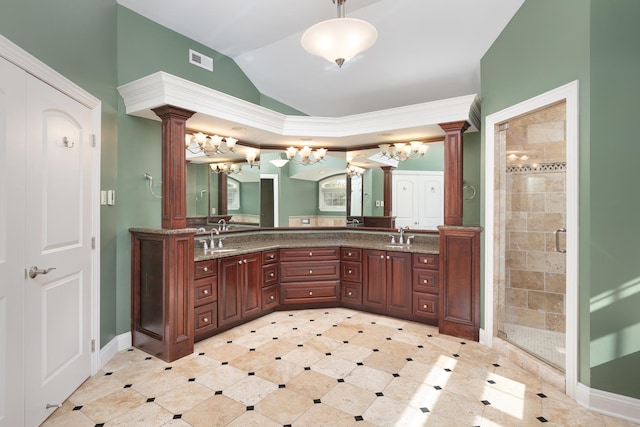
(206, 292)
(205, 320)
(205, 269)
(310, 293)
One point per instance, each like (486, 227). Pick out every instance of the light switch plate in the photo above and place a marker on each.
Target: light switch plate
(111, 197)
(103, 197)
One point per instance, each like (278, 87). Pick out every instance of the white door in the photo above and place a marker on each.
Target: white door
(46, 220)
(418, 199)
(431, 197)
(58, 234)
(12, 243)
(404, 201)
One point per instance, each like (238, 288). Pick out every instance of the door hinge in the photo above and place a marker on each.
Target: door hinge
(93, 243)
(93, 346)
(92, 140)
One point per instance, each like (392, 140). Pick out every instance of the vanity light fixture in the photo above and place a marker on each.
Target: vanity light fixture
(307, 155)
(353, 170)
(251, 157)
(340, 39)
(403, 151)
(225, 168)
(209, 145)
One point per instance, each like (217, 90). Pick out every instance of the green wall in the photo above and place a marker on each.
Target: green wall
(547, 44)
(84, 51)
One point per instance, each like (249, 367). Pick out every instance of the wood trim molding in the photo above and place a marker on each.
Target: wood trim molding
(453, 171)
(388, 190)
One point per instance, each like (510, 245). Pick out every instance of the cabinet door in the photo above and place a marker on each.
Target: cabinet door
(399, 283)
(251, 284)
(375, 278)
(229, 290)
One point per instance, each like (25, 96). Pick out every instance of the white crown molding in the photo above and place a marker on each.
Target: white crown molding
(16, 55)
(160, 88)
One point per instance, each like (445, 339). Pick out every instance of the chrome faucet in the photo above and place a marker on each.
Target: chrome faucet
(401, 238)
(224, 224)
(213, 244)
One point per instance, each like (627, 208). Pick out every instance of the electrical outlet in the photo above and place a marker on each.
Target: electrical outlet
(377, 203)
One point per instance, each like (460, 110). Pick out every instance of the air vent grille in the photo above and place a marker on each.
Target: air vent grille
(200, 60)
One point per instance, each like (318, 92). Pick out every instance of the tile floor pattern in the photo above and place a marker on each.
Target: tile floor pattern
(326, 367)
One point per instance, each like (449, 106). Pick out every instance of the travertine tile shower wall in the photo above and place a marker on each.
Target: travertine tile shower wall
(535, 208)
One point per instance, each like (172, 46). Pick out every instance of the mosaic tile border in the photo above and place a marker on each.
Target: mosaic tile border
(543, 167)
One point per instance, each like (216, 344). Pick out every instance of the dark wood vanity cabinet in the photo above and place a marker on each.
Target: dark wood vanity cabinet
(205, 299)
(386, 282)
(425, 286)
(270, 280)
(309, 275)
(351, 276)
(239, 288)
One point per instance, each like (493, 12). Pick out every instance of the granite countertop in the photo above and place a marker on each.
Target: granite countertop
(241, 248)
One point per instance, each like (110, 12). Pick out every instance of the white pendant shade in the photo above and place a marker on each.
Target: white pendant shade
(340, 39)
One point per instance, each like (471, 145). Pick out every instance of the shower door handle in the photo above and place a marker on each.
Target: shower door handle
(555, 233)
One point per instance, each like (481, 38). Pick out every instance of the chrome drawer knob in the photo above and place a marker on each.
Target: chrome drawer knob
(310, 271)
(205, 269)
(272, 297)
(350, 293)
(272, 275)
(349, 254)
(424, 306)
(310, 293)
(349, 271)
(426, 281)
(206, 291)
(205, 320)
(310, 253)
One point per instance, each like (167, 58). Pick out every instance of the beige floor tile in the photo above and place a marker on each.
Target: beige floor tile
(311, 384)
(334, 367)
(322, 415)
(227, 352)
(276, 348)
(194, 366)
(253, 419)
(388, 412)
(323, 344)
(160, 383)
(279, 372)
(284, 406)
(252, 340)
(340, 333)
(417, 371)
(372, 341)
(369, 379)
(113, 405)
(457, 407)
(398, 348)
(251, 361)
(408, 337)
(149, 414)
(303, 356)
(385, 362)
(95, 388)
(221, 377)
(349, 398)
(216, 411)
(183, 398)
(176, 423)
(68, 419)
(352, 352)
(250, 390)
(418, 395)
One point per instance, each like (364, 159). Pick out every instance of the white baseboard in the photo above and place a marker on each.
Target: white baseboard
(118, 343)
(607, 403)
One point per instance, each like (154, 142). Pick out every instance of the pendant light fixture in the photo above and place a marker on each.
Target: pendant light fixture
(340, 39)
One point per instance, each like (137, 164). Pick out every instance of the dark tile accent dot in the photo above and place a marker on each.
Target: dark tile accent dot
(290, 315)
(307, 368)
(388, 338)
(335, 326)
(295, 329)
(191, 380)
(273, 323)
(437, 387)
(251, 374)
(99, 425)
(250, 408)
(375, 349)
(359, 363)
(275, 338)
(253, 332)
(77, 408)
(316, 401)
(318, 335)
(463, 343)
(311, 320)
(379, 394)
(485, 402)
(177, 416)
(361, 332)
(542, 419)
(496, 365)
(348, 317)
(399, 329)
(278, 358)
(108, 373)
(229, 342)
(218, 392)
(286, 425)
(491, 382)
(252, 349)
(151, 399)
(359, 418)
(447, 370)
(396, 375)
(148, 358)
(425, 410)
(326, 312)
(200, 354)
(456, 355)
(168, 368)
(409, 359)
(420, 346)
(542, 395)
(282, 385)
(430, 336)
(300, 345)
(225, 363)
(128, 385)
(327, 354)
(373, 323)
(340, 380)
(345, 342)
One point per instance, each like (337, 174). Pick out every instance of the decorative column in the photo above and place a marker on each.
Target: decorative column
(388, 189)
(222, 194)
(174, 166)
(453, 154)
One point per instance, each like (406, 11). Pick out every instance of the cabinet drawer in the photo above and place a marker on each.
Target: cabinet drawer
(425, 305)
(351, 271)
(429, 261)
(269, 274)
(351, 254)
(206, 318)
(352, 293)
(425, 280)
(205, 268)
(316, 270)
(309, 292)
(300, 254)
(270, 297)
(206, 291)
(269, 257)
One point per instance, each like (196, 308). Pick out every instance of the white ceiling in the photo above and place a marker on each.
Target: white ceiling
(426, 49)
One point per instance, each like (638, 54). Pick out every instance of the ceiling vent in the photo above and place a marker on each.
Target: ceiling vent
(200, 60)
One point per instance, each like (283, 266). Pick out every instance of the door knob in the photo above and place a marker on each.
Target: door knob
(34, 271)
